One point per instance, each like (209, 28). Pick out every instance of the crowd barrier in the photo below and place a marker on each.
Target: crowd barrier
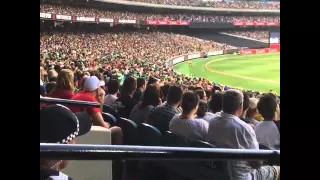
(259, 51)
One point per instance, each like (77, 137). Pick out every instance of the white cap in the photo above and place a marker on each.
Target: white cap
(92, 83)
(253, 103)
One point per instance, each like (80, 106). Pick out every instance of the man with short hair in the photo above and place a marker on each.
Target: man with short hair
(227, 130)
(185, 124)
(268, 131)
(113, 89)
(160, 116)
(141, 87)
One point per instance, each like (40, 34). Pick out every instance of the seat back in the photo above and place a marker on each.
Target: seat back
(109, 118)
(261, 146)
(130, 131)
(173, 140)
(92, 170)
(108, 109)
(149, 135)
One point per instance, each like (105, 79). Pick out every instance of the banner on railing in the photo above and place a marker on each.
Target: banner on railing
(256, 23)
(125, 21)
(259, 51)
(156, 22)
(86, 19)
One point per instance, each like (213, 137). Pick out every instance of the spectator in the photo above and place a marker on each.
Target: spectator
(52, 75)
(59, 125)
(245, 107)
(81, 82)
(161, 115)
(164, 91)
(203, 113)
(113, 89)
(185, 124)
(268, 131)
(65, 85)
(227, 130)
(215, 104)
(252, 111)
(141, 87)
(50, 87)
(124, 104)
(92, 92)
(201, 94)
(151, 99)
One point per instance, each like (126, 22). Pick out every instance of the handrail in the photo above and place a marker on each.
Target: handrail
(115, 152)
(132, 3)
(66, 102)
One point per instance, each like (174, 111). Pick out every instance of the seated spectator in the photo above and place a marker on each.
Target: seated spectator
(203, 113)
(185, 124)
(59, 125)
(252, 111)
(268, 131)
(151, 99)
(93, 93)
(245, 107)
(215, 104)
(141, 87)
(113, 89)
(65, 85)
(124, 104)
(50, 86)
(227, 130)
(161, 115)
(164, 91)
(81, 82)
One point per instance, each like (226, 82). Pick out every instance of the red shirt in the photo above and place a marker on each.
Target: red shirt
(85, 96)
(62, 94)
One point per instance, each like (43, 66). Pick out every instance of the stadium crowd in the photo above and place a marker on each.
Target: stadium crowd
(218, 4)
(75, 11)
(258, 35)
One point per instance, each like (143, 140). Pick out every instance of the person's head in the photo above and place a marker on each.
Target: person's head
(267, 106)
(92, 84)
(113, 86)
(201, 94)
(174, 95)
(164, 91)
(65, 80)
(252, 110)
(141, 84)
(53, 79)
(82, 80)
(51, 74)
(232, 102)
(190, 103)
(203, 108)
(153, 81)
(245, 101)
(59, 125)
(151, 96)
(50, 86)
(129, 86)
(208, 94)
(215, 104)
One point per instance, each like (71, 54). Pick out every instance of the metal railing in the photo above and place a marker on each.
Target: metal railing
(81, 104)
(115, 152)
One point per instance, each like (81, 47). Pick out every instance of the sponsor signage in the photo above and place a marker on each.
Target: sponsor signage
(105, 20)
(86, 19)
(259, 51)
(125, 21)
(63, 17)
(256, 23)
(45, 15)
(177, 23)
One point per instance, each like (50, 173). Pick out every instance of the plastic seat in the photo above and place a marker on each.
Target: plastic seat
(173, 140)
(109, 118)
(130, 131)
(149, 135)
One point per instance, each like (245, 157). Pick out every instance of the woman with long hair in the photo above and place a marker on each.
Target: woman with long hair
(65, 85)
(151, 99)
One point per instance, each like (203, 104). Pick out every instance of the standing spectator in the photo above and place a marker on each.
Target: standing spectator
(245, 107)
(65, 85)
(59, 125)
(141, 87)
(141, 111)
(161, 115)
(252, 111)
(185, 124)
(124, 104)
(93, 93)
(268, 131)
(227, 130)
(113, 89)
(203, 113)
(164, 91)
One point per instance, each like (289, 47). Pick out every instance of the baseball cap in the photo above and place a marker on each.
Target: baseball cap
(92, 83)
(59, 125)
(253, 103)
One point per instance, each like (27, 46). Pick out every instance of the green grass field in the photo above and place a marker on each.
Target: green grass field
(250, 72)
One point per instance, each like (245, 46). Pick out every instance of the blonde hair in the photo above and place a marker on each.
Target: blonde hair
(65, 80)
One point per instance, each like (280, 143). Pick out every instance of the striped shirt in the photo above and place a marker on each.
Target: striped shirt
(49, 174)
(161, 116)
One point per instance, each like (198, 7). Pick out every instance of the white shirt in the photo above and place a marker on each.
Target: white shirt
(207, 117)
(110, 99)
(267, 134)
(191, 129)
(228, 131)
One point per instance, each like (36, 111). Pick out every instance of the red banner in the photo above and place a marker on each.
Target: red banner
(155, 22)
(259, 51)
(256, 23)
